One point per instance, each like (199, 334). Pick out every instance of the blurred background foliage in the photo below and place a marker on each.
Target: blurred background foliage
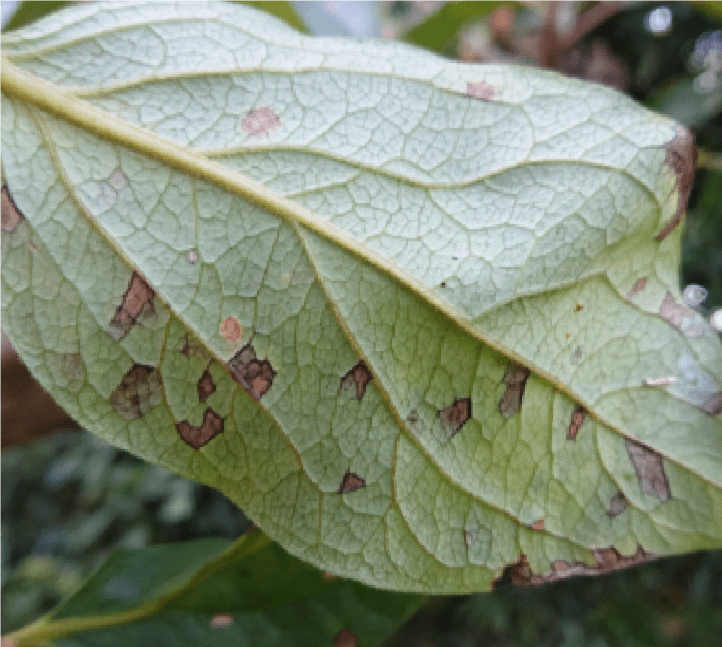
(68, 499)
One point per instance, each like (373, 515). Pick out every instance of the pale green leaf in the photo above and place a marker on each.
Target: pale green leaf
(312, 213)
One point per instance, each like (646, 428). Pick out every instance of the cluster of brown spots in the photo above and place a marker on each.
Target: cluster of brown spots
(608, 560)
(537, 525)
(221, 620)
(515, 379)
(649, 468)
(345, 638)
(260, 121)
(454, 416)
(481, 90)
(638, 286)
(682, 158)
(254, 375)
(350, 482)
(713, 404)
(357, 379)
(576, 422)
(137, 301)
(680, 316)
(617, 504)
(206, 386)
(231, 330)
(196, 437)
(11, 216)
(137, 393)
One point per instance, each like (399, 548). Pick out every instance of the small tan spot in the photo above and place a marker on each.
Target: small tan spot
(260, 121)
(682, 159)
(356, 380)
(577, 355)
(138, 392)
(350, 483)
(537, 525)
(137, 302)
(515, 379)
(568, 335)
(196, 437)
(578, 307)
(192, 349)
(345, 638)
(660, 381)
(679, 316)
(470, 537)
(455, 416)
(412, 420)
(617, 504)
(638, 286)
(254, 375)
(206, 386)
(649, 468)
(231, 330)
(713, 404)
(328, 576)
(481, 90)
(11, 216)
(192, 257)
(577, 421)
(221, 620)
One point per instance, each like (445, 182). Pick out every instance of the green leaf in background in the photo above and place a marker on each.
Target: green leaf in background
(214, 592)
(420, 320)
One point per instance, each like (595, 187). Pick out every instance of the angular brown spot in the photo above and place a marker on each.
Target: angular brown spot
(357, 379)
(137, 301)
(137, 393)
(454, 416)
(649, 468)
(345, 638)
(481, 90)
(577, 421)
(206, 386)
(638, 286)
(515, 379)
(537, 525)
(617, 504)
(713, 404)
(254, 375)
(350, 482)
(196, 437)
(10, 215)
(682, 158)
(412, 420)
(231, 330)
(260, 121)
(221, 620)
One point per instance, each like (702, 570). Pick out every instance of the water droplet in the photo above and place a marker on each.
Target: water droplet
(694, 295)
(716, 320)
(659, 20)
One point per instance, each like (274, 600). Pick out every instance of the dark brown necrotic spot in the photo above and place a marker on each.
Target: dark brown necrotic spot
(350, 482)
(345, 638)
(11, 216)
(454, 416)
(137, 301)
(515, 379)
(617, 505)
(356, 380)
(681, 158)
(576, 422)
(254, 375)
(713, 404)
(137, 393)
(650, 472)
(638, 286)
(206, 386)
(196, 437)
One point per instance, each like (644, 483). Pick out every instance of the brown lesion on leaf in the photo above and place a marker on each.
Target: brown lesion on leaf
(481, 90)
(191, 348)
(638, 286)
(617, 504)
(680, 316)
(137, 302)
(515, 379)
(682, 159)
(254, 375)
(260, 121)
(231, 330)
(137, 393)
(455, 416)
(206, 386)
(537, 525)
(221, 620)
(649, 467)
(196, 437)
(345, 638)
(576, 422)
(578, 307)
(350, 482)
(608, 560)
(713, 404)
(357, 379)
(11, 215)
